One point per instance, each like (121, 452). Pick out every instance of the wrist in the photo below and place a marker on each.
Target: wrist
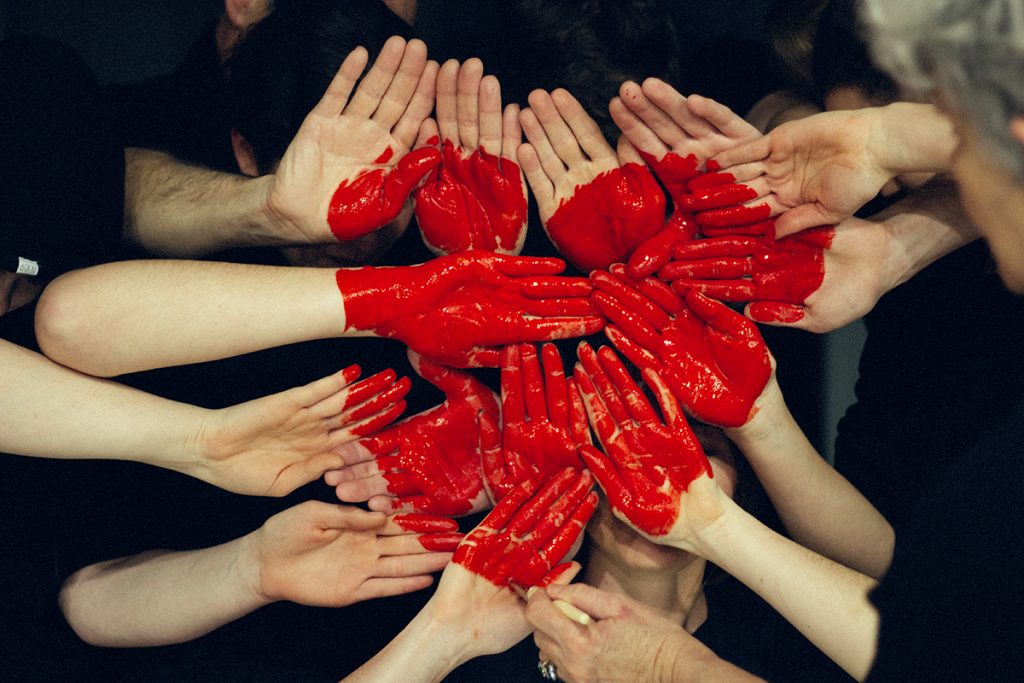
(769, 414)
(248, 570)
(913, 137)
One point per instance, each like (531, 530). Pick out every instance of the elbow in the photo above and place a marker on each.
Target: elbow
(67, 328)
(82, 619)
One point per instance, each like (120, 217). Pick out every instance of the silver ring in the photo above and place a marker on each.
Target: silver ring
(548, 670)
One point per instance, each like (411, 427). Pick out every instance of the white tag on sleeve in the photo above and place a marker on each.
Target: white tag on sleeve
(27, 266)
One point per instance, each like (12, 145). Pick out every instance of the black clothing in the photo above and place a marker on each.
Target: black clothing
(940, 367)
(952, 604)
(61, 161)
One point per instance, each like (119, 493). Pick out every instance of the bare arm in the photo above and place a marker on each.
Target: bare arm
(818, 506)
(314, 553)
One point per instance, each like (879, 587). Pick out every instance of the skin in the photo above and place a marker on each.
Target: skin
(994, 199)
(476, 198)
(17, 290)
(430, 462)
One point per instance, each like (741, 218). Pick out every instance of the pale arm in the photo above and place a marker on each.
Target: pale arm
(314, 553)
(818, 506)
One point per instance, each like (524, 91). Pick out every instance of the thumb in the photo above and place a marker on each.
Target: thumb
(803, 217)
(779, 315)
(408, 173)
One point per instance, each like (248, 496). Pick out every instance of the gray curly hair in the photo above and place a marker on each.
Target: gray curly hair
(968, 52)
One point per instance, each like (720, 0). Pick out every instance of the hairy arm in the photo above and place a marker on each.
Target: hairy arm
(176, 209)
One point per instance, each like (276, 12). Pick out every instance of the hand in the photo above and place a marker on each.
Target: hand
(595, 210)
(821, 168)
(543, 419)
(675, 136)
(273, 445)
(714, 359)
(474, 610)
(461, 309)
(476, 198)
(430, 462)
(349, 171)
(530, 531)
(779, 276)
(648, 466)
(334, 555)
(625, 641)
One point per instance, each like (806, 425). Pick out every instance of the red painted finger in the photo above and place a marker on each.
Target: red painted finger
(656, 251)
(628, 322)
(629, 298)
(775, 313)
(373, 404)
(536, 510)
(554, 388)
(639, 408)
(708, 269)
(600, 418)
(722, 290)
(599, 379)
(608, 477)
(420, 523)
(732, 216)
(721, 317)
(717, 197)
(715, 247)
(407, 174)
(380, 420)
(754, 229)
(513, 403)
(579, 427)
(637, 355)
(441, 543)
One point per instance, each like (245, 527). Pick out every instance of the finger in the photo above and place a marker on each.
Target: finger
(714, 247)
(804, 217)
(755, 150)
(658, 119)
(722, 290)
(511, 132)
(490, 116)
(633, 127)
(398, 546)
(309, 395)
(594, 601)
(334, 516)
(403, 87)
(707, 269)
(383, 401)
(447, 101)
(337, 93)
(429, 135)
(579, 427)
(597, 377)
(633, 398)
(468, 96)
(375, 84)
(634, 326)
(606, 471)
(549, 329)
(627, 153)
(417, 112)
(539, 181)
(453, 383)
(551, 164)
(563, 142)
(584, 129)
(778, 314)
(405, 523)
(721, 317)
(533, 383)
(655, 252)
(536, 510)
(666, 401)
(304, 471)
(555, 389)
(637, 355)
(627, 297)
(674, 104)
(513, 402)
(721, 117)
(742, 214)
(760, 229)
(725, 195)
(384, 588)
(410, 565)
(498, 517)
(653, 288)
(369, 388)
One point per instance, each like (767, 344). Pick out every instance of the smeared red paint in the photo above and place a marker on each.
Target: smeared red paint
(752, 268)
(439, 534)
(674, 172)
(431, 461)
(775, 313)
(606, 219)
(375, 197)
(473, 201)
(461, 309)
(718, 197)
(385, 155)
(656, 252)
(713, 359)
(648, 463)
(377, 401)
(543, 419)
(526, 535)
(732, 216)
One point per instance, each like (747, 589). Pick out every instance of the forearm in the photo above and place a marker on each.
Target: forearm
(422, 652)
(96, 418)
(924, 227)
(778, 107)
(138, 315)
(825, 601)
(912, 137)
(160, 597)
(818, 506)
(176, 209)
(683, 667)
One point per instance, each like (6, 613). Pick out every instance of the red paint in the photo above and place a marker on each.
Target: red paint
(717, 219)
(718, 197)
(525, 537)
(713, 359)
(649, 462)
(764, 269)
(375, 197)
(438, 534)
(431, 461)
(385, 155)
(543, 419)
(473, 201)
(674, 172)
(656, 252)
(372, 403)
(461, 309)
(775, 313)
(606, 219)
